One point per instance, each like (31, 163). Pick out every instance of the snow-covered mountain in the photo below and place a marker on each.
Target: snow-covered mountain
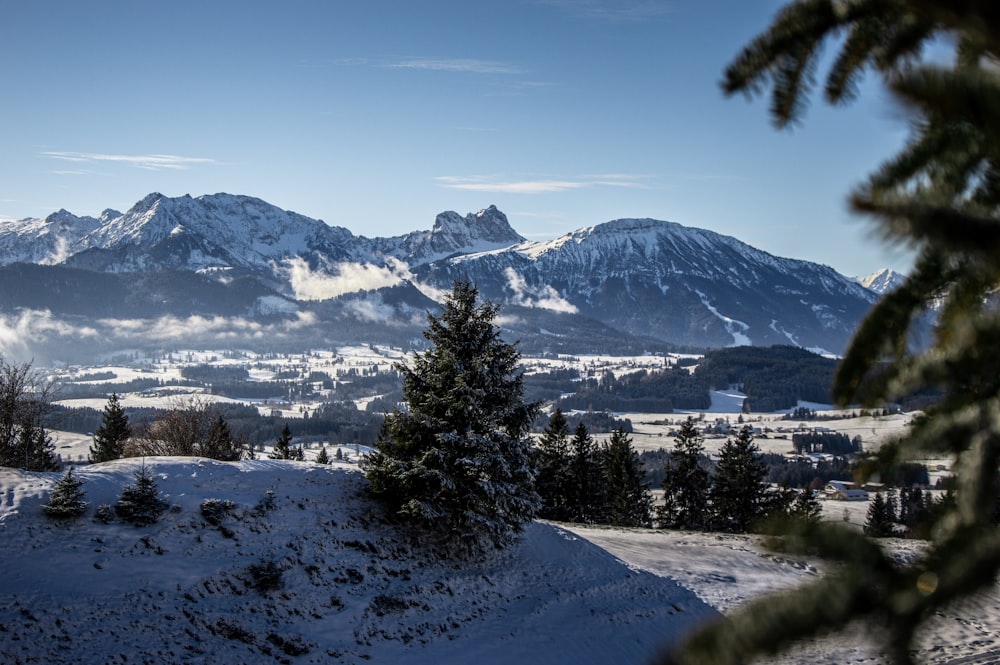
(881, 281)
(676, 283)
(641, 279)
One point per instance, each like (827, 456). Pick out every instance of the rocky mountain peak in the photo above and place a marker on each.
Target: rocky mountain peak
(488, 225)
(881, 281)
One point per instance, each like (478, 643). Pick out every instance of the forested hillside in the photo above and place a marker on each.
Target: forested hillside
(773, 378)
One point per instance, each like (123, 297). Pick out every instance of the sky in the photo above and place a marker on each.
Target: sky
(377, 115)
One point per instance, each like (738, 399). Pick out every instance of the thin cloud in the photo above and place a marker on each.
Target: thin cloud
(537, 186)
(148, 162)
(462, 65)
(613, 10)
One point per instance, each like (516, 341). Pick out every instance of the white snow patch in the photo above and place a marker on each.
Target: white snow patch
(735, 328)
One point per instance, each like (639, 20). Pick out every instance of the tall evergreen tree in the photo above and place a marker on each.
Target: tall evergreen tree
(685, 482)
(738, 489)
(110, 437)
(940, 196)
(66, 500)
(283, 446)
(586, 486)
(880, 521)
(553, 462)
(627, 497)
(458, 459)
(806, 506)
(220, 443)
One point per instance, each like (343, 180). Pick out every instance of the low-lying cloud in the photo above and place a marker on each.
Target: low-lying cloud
(309, 284)
(544, 297)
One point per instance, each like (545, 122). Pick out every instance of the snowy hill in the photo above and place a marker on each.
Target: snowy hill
(320, 578)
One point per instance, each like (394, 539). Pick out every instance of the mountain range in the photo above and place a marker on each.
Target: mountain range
(237, 270)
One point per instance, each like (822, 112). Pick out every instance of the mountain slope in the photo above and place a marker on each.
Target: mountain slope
(675, 283)
(321, 578)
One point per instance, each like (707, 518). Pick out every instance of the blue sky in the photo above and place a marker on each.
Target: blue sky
(376, 115)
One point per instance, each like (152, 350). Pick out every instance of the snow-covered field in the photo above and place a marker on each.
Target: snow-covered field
(355, 589)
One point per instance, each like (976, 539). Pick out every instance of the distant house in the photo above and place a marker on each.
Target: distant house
(843, 490)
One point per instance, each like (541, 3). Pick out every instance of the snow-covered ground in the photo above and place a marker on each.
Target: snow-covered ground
(355, 589)
(727, 570)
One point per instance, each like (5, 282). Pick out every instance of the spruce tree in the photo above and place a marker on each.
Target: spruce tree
(939, 197)
(806, 506)
(66, 500)
(685, 483)
(738, 489)
(458, 458)
(283, 446)
(323, 457)
(110, 437)
(627, 498)
(586, 499)
(220, 444)
(553, 462)
(140, 503)
(880, 520)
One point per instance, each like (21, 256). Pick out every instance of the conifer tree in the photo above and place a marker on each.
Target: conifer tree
(140, 503)
(553, 462)
(939, 196)
(66, 500)
(627, 497)
(738, 489)
(586, 487)
(880, 520)
(685, 483)
(323, 457)
(110, 437)
(458, 458)
(220, 444)
(806, 506)
(283, 446)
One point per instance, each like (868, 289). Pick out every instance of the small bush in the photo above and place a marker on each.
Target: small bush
(215, 510)
(105, 513)
(265, 576)
(266, 503)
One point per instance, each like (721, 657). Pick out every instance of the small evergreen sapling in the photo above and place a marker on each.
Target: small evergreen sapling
(66, 500)
(140, 503)
(323, 457)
